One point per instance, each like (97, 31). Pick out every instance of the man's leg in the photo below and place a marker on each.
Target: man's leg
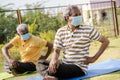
(63, 71)
(68, 71)
(42, 67)
(7, 67)
(20, 68)
(25, 67)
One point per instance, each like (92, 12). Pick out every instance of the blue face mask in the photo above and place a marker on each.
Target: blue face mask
(25, 36)
(76, 21)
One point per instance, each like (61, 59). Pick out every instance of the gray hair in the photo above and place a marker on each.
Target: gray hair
(68, 10)
(21, 27)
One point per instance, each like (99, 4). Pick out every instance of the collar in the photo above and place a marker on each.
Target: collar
(75, 28)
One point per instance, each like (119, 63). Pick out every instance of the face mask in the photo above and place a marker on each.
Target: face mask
(25, 36)
(76, 21)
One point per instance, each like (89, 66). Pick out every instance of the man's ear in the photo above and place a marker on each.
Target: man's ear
(66, 18)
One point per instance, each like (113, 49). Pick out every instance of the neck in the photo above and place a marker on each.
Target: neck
(71, 27)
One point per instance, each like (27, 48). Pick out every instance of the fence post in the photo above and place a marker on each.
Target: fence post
(19, 16)
(116, 19)
(112, 6)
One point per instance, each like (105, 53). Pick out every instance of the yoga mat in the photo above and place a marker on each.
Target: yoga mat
(96, 69)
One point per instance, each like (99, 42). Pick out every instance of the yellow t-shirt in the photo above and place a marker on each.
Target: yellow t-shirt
(29, 49)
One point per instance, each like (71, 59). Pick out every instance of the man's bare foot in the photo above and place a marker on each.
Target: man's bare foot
(50, 78)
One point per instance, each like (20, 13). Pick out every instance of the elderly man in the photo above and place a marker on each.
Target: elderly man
(29, 47)
(74, 39)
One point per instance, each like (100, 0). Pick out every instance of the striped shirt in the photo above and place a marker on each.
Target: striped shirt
(75, 44)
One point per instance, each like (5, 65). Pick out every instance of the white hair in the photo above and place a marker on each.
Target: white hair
(21, 27)
(68, 10)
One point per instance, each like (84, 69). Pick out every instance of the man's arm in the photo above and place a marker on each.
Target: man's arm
(5, 51)
(50, 46)
(102, 48)
(54, 61)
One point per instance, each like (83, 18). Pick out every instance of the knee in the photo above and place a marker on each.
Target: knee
(42, 67)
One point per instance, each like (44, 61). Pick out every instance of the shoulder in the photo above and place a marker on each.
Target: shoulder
(16, 37)
(37, 40)
(35, 37)
(16, 40)
(62, 30)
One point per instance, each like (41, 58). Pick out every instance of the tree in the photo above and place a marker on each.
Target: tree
(7, 25)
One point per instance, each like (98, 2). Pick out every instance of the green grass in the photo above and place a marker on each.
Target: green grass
(112, 52)
(24, 77)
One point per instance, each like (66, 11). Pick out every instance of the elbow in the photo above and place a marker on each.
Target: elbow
(105, 41)
(50, 45)
(57, 51)
(4, 48)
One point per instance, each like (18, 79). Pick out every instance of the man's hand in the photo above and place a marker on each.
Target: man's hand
(14, 63)
(89, 60)
(54, 63)
(53, 66)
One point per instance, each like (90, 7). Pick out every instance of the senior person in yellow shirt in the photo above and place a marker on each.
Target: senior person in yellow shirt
(29, 48)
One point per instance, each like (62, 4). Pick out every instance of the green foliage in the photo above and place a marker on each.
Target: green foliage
(33, 27)
(43, 22)
(36, 19)
(49, 36)
(1, 55)
(7, 25)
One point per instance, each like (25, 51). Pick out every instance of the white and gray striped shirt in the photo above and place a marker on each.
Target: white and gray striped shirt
(75, 44)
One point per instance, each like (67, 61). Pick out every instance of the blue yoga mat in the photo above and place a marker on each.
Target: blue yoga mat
(97, 69)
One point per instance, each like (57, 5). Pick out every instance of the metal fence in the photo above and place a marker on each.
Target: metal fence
(102, 15)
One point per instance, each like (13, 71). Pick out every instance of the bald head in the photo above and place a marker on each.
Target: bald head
(22, 29)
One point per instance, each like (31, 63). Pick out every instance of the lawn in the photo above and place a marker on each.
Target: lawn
(112, 52)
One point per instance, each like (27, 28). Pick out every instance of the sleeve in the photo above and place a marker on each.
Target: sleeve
(15, 41)
(58, 40)
(95, 35)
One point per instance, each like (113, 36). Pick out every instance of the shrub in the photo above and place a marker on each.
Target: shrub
(49, 36)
